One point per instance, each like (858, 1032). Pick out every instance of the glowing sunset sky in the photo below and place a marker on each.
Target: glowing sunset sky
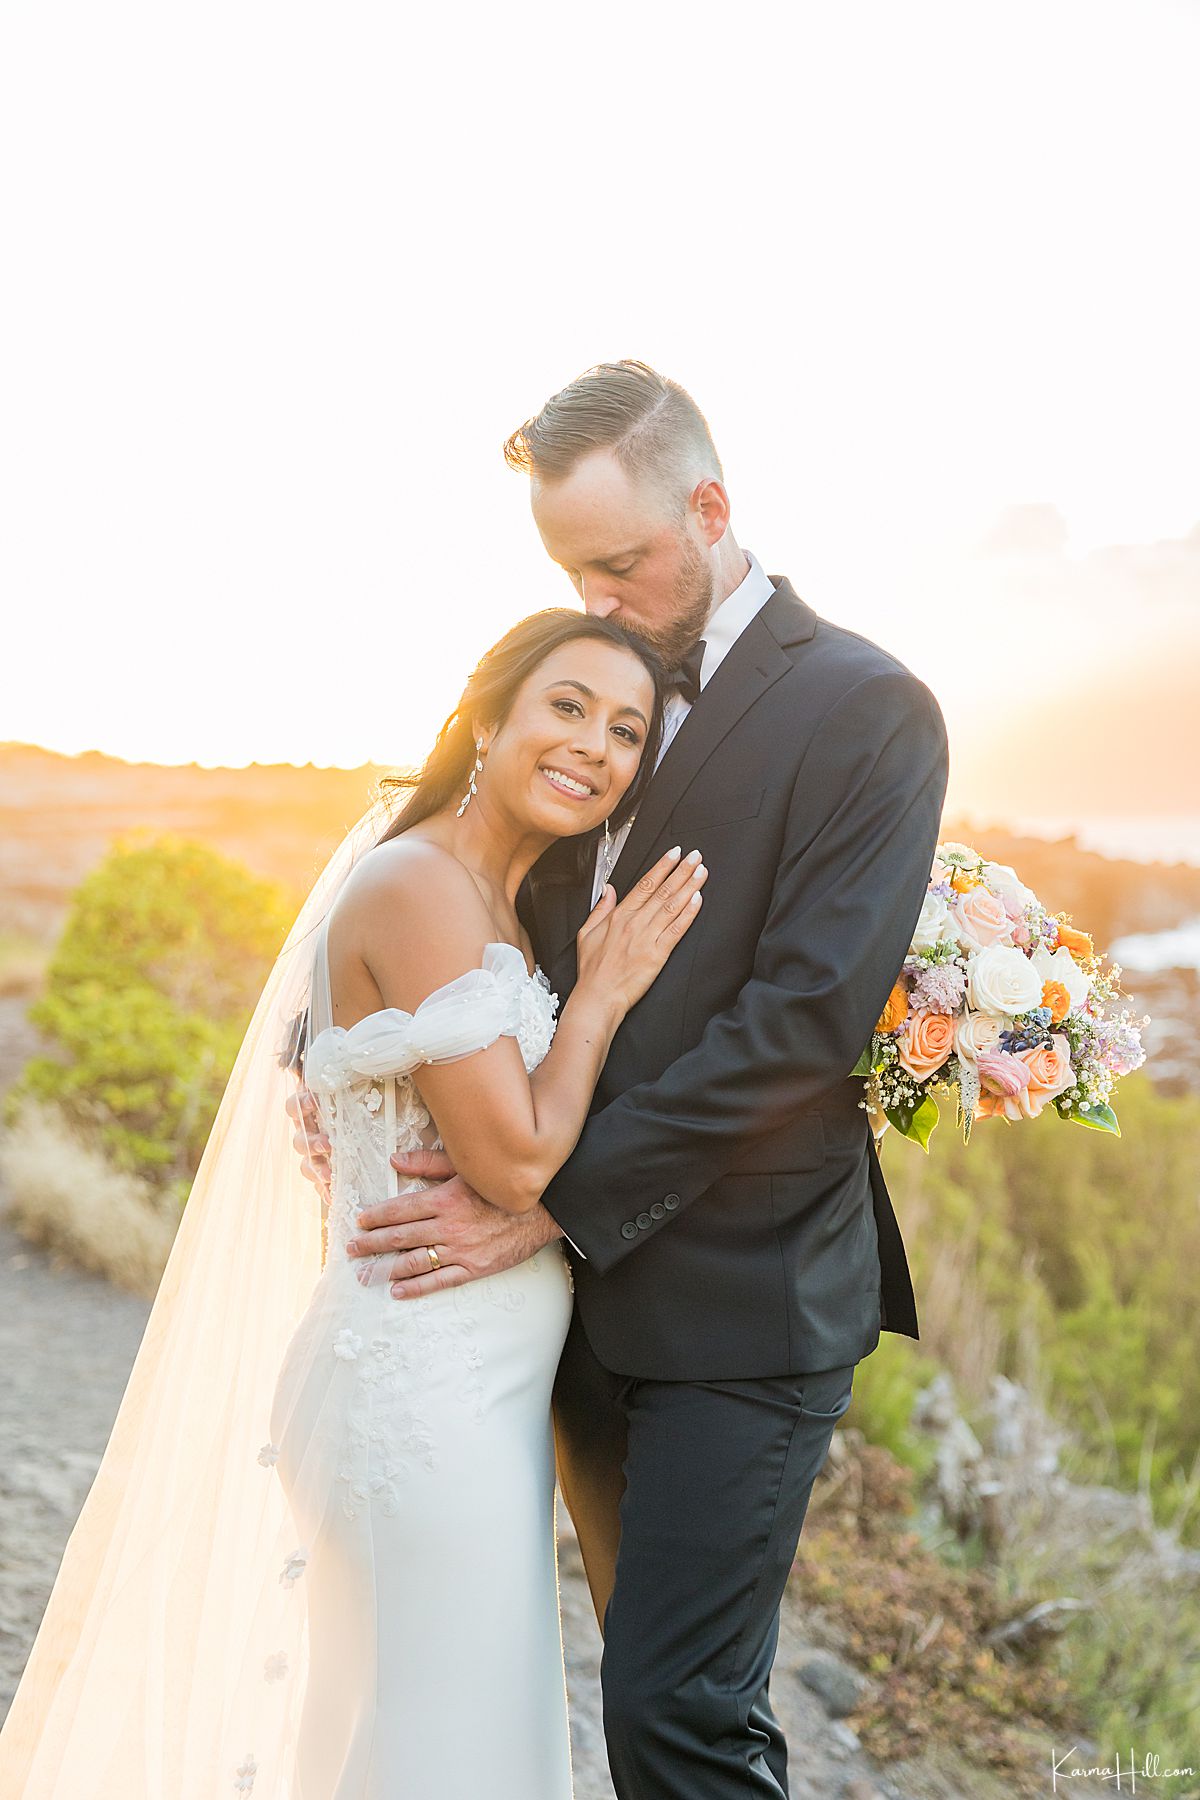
(280, 281)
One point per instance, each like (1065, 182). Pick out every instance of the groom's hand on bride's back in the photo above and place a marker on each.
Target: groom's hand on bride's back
(470, 1237)
(309, 1140)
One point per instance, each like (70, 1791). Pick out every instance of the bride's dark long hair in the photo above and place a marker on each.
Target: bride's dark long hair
(488, 696)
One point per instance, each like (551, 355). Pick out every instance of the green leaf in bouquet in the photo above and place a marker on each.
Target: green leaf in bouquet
(916, 1122)
(863, 1065)
(1100, 1118)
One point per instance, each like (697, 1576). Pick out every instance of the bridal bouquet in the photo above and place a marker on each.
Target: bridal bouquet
(999, 1003)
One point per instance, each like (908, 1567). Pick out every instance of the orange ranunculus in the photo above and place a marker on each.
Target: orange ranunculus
(929, 1041)
(1056, 997)
(1077, 942)
(896, 1011)
(963, 880)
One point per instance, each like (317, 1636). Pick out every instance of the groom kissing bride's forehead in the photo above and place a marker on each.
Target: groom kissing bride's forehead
(623, 1109)
(628, 496)
(733, 1246)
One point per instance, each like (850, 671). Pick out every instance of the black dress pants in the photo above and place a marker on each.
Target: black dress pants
(688, 1498)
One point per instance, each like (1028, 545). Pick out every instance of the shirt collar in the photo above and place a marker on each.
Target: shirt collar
(734, 614)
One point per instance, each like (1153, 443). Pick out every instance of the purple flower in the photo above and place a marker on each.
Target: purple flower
(1116, 1043)
(940, 987)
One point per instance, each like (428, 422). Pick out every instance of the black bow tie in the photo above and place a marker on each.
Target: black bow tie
(686, 678)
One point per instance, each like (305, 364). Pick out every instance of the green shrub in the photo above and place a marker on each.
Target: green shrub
(886, 1385)
(147, 997)
(1080, 1250)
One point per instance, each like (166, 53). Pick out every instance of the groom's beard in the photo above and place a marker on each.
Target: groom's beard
(692, 597)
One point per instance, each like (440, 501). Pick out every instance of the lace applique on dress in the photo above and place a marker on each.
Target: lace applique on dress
(346, 1069)
(387, 1439)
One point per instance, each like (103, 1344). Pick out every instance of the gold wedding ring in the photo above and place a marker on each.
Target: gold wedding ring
(435, 1261)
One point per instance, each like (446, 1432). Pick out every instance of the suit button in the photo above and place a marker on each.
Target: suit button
(629, 1229)
(658, 1210)
(671, 1201)
(644, 1221)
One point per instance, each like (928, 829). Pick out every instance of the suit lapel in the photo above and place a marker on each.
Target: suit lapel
(557, 905)
(752, 666)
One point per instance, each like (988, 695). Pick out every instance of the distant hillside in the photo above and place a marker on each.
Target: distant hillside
(58, 814)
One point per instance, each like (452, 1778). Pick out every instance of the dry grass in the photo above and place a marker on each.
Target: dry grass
(918, 1629)
(63, 1195)
(23, 963)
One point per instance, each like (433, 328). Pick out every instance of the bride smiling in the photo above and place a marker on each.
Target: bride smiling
(365, 1604)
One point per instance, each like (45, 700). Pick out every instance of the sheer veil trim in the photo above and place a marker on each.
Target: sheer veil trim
(171, 1659)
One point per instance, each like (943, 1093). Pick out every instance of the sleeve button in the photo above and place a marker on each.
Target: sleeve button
(644, 1221)
(658, 1210)
(629, 1229)
(671, 1201)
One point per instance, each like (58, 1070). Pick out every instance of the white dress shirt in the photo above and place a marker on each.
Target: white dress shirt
(720, 635)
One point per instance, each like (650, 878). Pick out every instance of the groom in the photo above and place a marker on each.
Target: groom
(734, 1249)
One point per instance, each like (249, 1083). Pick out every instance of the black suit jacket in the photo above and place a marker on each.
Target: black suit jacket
(725, 1192)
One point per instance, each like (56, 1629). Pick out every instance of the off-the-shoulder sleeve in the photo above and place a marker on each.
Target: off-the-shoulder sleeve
(456, 1020)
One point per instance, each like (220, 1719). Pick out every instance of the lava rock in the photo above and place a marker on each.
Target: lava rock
(837, 1685)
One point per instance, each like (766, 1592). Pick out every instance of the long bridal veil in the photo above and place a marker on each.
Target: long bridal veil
(172, 1656)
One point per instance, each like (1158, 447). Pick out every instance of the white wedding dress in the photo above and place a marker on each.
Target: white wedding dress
(317, 1561)
(413, 1443)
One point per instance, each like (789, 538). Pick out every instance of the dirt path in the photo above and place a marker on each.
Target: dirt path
(67, 1342)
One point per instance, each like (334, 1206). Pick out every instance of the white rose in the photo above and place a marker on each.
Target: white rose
(1059, 965)
(974, 1034)
(1002, 981)
(936, 922)
(1007, 883)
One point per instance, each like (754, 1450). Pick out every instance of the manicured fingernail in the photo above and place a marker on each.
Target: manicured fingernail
(693, 856)
(696, 898)
(698, 871)
(677, 851)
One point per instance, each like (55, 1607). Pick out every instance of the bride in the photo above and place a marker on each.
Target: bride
(317, 1561)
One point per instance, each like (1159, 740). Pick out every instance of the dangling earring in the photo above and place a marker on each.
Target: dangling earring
(477, 770)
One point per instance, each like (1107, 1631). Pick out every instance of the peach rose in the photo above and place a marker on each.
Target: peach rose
(1050, 1074)
(927, 1043)
(894, 1013)
(982, 918)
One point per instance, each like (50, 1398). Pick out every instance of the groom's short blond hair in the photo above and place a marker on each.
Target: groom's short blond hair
(652, 426)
